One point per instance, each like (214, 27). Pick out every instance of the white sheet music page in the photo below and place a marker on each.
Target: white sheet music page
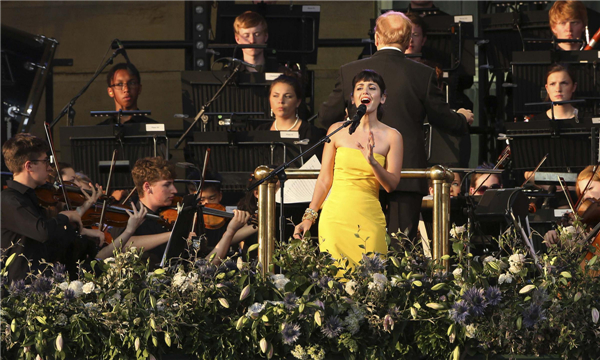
(300, 191)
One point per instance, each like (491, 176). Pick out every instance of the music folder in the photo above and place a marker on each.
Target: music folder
(178, 240)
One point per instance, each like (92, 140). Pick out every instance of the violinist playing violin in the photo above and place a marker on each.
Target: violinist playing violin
(153, 178)
(28, 231)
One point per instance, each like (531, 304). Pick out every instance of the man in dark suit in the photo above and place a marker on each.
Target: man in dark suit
(412, 94)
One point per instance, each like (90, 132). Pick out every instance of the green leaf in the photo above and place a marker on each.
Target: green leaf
(451, 329)
(526, 289)
(301, 308)
(253, 247)
(457, 247)
(159, 271)
(152, 324)
(318, 318)
(417, 283)
(41, 319)
(566, 274)
(592, 260)
(445, 257)
(307, 291)
(153, 302)
(436, 306)
(224, 302)
(519, 323)
(13, 325)
(437, 287)
(154, 340)
(10, 259)
(265, 318)
(167, 339)
(577, 296)
(395, 261)
(456, 353)
(494, 265)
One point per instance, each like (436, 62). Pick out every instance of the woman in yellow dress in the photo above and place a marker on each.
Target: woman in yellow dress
(353, 168)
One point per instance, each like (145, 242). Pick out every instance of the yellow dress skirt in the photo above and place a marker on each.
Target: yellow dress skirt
(353, 208)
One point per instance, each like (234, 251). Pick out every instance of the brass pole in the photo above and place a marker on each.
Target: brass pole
(265, 226)
(449, 178)
(437, 175)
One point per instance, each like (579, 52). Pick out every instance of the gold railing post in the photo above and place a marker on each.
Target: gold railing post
(266, 219)
(437, 176)
(449, 178)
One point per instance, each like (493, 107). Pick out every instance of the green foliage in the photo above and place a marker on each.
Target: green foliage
(403, 306)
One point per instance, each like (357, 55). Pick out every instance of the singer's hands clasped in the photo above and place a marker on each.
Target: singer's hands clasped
(368, 150)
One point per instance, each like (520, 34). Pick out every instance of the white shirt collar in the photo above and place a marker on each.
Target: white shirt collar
(391, 48)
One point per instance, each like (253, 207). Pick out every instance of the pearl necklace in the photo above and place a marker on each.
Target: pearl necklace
(293, 126)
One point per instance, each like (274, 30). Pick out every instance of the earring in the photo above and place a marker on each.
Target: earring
(272, 113)
(296, 113)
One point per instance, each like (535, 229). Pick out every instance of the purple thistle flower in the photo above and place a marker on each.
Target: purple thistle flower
(459, 312)
(372, 264)
(539, 296)
(532, 315)
(42, 285)
(324, 282)
(475, 301)
(493, 295)
(17, 288)
(332, 327)
(59, 271)
(69, 295)
(290, 301)
(290, 333)
(320, 304)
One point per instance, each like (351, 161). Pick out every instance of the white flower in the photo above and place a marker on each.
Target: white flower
(109, 260)
(470, 331)
(457, 230)
(160, 305)
(299, 353)
(114, 300)
(457, 272)
(77, 287)
(59, 342)
(88, 287)
(280, 281)
(63, 285)
(396, 280)
(178, 279)
(379, 282)
(489, 259)
(516, 262)
(350, 287)
(254, 310)
(505, 278)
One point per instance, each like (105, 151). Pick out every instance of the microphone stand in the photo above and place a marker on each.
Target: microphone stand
(280, 173)
(205, 106)
(69, 107)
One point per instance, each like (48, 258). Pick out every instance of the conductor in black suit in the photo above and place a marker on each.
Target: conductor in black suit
(412, 95)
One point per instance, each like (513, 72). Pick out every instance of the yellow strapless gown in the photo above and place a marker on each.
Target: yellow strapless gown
(353, 203)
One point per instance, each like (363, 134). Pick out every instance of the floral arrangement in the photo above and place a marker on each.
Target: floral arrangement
(403, 306)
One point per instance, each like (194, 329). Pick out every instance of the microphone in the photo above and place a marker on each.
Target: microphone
(122, 50)
(360, 112)
(246, 64)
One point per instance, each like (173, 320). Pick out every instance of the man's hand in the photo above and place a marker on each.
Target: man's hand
(467, 114)
(74, 218)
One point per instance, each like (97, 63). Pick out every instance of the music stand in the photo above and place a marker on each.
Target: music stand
(177, 243)
(571, 144)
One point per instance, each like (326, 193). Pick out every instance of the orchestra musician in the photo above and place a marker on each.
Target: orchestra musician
(251, 28)
(124, 87)
(560, 86)
(568, 20)
(153, 178)
(481, 182)
(28, 232)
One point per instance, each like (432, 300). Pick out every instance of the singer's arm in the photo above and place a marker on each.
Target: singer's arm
(323, 185)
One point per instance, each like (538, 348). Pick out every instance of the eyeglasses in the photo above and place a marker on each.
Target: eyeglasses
(46, 160)
(130, 84)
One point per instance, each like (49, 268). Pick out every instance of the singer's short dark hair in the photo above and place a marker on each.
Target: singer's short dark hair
(131, 69)
(371, 75)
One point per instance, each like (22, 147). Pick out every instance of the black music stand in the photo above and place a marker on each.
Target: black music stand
(177, 243)
(572, 145)
(85, 147)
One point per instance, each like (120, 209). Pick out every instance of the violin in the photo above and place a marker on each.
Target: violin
(51, 194)
(116, 216)
(215, 216)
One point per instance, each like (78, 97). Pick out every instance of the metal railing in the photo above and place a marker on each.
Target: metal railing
(440, 176)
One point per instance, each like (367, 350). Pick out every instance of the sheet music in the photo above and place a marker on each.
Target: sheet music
(300, 191)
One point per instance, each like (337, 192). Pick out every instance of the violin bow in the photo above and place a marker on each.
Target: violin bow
(566, 192)
(199, 190)
(587, 186)
(56, 166)
(105, 202)
(535, 170)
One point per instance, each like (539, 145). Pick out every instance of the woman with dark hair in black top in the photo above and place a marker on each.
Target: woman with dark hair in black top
(560, 86)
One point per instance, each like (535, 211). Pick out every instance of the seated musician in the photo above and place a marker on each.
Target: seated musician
(481, 182)
(560, 86)
(568, 20)
(27, 229)
(285, 98)
(153, 178)
(251, 28)
(125, 86)
(455, 189)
